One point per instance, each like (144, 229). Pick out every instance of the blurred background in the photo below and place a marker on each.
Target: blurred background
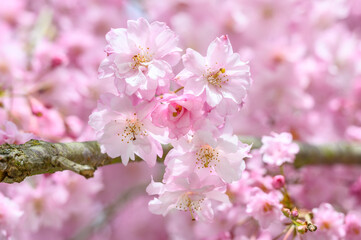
(305, 58)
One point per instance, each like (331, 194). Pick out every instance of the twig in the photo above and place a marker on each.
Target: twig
(108, 213)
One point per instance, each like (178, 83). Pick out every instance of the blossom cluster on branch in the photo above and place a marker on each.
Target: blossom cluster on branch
(145, 113)
(306, 85)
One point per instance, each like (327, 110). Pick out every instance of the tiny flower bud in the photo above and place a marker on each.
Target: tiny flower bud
(294, 213)
(278, 181)
(286, 212)
(56, 61)
(311, 227)
(302, 229)
(300, 221)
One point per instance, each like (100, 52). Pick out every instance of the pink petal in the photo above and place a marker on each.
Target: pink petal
(194, 62)
(117, 38)
(195, 86)
(213, 96)
(218, 52)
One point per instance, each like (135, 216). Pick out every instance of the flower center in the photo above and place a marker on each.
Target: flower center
(190, 201)
(178, 110)
(267, 12)
(38, 205)
(267, 207)
(325, 225)
(142, 58)
(132, 130)
(207, 157)
(217, 78)
(4, 68)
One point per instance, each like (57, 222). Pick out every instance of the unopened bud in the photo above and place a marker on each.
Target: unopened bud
(300, 221)
(278, 181)
(311, 227)
(294, 213)
(302, 229)
(286, 212)
(56, 61)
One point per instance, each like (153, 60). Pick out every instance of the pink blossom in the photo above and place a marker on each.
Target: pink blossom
(178, 113)
(80, 191)
(206, 156)
(221, 74)
(42, 204)
(141, 58)
(124, 129)
(329, 222)
(12, 135)
(352, 226)
(278, 148)
(354, 133)
(49, 56)
(264, 207)
(187, 194)
(10, 214)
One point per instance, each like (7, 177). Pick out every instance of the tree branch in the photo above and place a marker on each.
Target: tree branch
(38, 157)
(109, 212)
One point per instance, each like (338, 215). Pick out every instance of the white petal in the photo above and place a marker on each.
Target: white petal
(194, 62)
(226, 171)
(117, 39)
(218, 52)
(155, 188)
(213, 96)
(195, 86)
(136, 79)
(218, 196)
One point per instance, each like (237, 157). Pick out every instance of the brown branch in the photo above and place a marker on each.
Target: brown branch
(326, 154)
(38, 157)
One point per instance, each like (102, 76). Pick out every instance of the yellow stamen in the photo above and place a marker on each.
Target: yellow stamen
(218, 78)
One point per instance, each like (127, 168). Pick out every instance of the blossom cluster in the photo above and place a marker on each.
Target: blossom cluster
(305, 62)
(146, 112)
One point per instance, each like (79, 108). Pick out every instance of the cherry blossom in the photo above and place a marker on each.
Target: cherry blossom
(221, 74)
(125, 129)
(352, 226)
(329, 221)
(42, 203)
(10, 214)
(11, 134)
(187, 194)
(141, 57)
(206, 156)
(264, 207)
(278, 148)
(178, 113)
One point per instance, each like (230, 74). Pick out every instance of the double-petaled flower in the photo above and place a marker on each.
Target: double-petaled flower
(140, 58)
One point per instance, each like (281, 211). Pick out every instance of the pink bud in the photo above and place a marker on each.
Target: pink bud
(56, 61)
(278, 181)
(294, 213)
(286, 212)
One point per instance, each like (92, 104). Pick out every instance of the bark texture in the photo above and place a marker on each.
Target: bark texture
(39, 157)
